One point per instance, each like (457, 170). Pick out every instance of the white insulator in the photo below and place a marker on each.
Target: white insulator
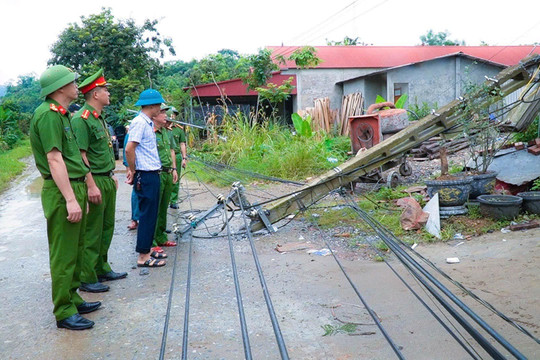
(220, 198)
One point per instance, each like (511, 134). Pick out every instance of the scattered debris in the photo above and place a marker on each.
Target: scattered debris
(433, 224)
(414, 246)
(347, 235)
(525, 226)
(459, 236)
(452, 260)
(144, 272)
(412, 217)
(322, 252)
(505, 230)
(294, 246)
(459, 243)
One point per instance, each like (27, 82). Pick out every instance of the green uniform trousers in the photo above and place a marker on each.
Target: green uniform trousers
(66, 241)
(99, 231)
(176, 187)
(165, 189)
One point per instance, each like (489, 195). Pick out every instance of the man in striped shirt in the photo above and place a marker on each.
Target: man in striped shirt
(143, 173)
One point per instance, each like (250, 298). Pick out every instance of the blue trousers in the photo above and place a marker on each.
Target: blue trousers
(146, 185)
(134, 206)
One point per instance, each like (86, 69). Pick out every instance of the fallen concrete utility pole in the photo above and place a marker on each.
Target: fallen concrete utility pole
(444, 120)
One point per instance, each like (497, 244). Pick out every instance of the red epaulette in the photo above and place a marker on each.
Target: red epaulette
(58, 108)
(85, 114)
(96, 115)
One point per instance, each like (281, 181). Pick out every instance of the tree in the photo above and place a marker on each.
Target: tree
(225, 65)
(347, 41)
(127, 52)
(439, 39)
(24, 94)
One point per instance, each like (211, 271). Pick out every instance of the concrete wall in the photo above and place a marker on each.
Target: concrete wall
(438, 81)
(319, 83)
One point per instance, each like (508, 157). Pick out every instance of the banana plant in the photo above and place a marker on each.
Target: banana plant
(302, 125)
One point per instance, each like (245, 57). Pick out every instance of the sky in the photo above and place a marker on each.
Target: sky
(198, 28)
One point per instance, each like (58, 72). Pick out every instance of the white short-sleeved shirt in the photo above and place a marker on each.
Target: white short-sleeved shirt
(141, 131)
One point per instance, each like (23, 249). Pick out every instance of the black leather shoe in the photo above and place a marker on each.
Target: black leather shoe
(94, 288)
(88, 307)
(75, 322)
(173, 206)
(168, 231)
(111, 275)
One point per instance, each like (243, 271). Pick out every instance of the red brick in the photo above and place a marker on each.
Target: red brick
(528, 225)
(519, 146)
(535, 150)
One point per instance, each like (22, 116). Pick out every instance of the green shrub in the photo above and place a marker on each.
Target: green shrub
(531, 133)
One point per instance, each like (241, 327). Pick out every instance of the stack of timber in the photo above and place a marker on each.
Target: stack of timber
(430, 149)
(351, 105)
(322, 117)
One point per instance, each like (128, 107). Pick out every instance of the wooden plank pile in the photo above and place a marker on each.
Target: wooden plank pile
(430, 149)
(324, 118)
(351, 105)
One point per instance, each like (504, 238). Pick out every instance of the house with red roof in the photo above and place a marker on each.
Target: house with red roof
(427, 74)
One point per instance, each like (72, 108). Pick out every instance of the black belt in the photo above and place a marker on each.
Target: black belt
(148, 171)
(80, 179)
(167, 169)
(108, 173)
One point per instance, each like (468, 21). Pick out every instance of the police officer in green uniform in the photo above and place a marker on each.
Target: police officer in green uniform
(179, 136)
(97, 152)
(64, 194)
(167, 177)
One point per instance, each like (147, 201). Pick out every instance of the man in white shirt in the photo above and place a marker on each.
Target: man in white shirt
(143, 173)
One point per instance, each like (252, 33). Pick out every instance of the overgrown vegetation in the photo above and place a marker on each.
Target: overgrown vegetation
(270, 148)
(11, 125)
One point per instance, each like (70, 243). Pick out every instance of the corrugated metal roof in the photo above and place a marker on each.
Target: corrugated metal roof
(392, 56)
(236, 87)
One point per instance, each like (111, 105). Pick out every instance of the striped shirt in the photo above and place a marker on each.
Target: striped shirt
(141, 131)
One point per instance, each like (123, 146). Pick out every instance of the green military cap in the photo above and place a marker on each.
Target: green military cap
(56, 77)
(172, 110)
(93, 81)
(164, 107)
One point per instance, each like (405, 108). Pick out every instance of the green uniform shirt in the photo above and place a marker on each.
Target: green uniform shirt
(50, 129)
(94, 138)
(179, 136)
(164, 146)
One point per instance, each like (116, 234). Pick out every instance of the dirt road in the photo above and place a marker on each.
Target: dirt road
(310, 293)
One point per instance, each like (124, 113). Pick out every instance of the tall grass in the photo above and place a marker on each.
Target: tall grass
(10, 164)
(273, 149)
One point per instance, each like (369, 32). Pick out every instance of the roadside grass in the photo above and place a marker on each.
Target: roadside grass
(268, 148)
(10, 163)
(334, 214)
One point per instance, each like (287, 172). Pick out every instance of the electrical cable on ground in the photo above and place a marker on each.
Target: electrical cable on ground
(242, 316)
(269, 305)
(408, 261)
(366, 306)
(460, 342)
